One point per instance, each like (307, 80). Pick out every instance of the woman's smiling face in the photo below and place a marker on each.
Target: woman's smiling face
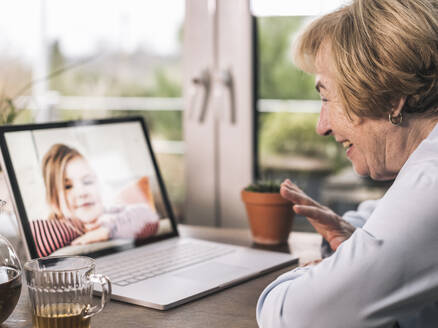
(365, 140)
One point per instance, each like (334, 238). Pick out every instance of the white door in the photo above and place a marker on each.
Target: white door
(219, 110)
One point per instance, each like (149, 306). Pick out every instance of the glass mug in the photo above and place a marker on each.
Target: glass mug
(61, 291)
(10, 279)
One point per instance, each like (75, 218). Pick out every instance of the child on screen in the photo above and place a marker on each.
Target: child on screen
(78, 215)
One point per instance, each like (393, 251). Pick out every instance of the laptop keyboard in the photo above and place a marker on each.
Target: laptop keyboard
(133, 267)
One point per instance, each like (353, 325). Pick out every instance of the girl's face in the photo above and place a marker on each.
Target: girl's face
(81, 191)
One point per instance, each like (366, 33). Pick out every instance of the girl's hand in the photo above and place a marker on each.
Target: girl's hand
(96, 224)
(93, 236)
(92, 226)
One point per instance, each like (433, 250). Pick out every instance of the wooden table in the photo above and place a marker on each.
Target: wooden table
(233, 307)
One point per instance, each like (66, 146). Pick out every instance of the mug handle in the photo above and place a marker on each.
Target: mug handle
(105, 283)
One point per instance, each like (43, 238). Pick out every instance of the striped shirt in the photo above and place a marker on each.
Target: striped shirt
(50, 235)
(137, 221)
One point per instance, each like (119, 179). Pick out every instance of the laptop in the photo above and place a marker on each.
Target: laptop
(94, 188)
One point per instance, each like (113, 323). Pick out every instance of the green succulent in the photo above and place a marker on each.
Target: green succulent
(264, 186)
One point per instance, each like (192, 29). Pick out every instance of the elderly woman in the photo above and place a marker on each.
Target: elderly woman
(376, 67)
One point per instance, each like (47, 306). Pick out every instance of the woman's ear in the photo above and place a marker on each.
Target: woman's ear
(398, 106)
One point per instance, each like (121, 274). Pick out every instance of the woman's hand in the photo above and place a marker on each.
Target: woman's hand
(326, 222)
(93, 236)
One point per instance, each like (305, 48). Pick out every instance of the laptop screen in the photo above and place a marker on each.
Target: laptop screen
(88, 187)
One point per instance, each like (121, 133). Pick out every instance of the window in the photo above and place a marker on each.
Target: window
(288, 110)
(104, 59)
(125, 57)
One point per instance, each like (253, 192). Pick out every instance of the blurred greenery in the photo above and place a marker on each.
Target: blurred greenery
(264, 187)
(57, 61)
(9, 112)
(294, 133)
(163, 125)
(13, 76)
(279, 134)
(142, 74)
(288, 133)
(161, 80)
(279, 78)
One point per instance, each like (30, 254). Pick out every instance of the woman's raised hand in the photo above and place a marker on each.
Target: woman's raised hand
(326, 222)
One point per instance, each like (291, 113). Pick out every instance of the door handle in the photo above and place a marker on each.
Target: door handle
(200, 92)
(224, 96)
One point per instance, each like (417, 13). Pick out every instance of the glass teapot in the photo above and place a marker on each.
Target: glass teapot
(10, 276)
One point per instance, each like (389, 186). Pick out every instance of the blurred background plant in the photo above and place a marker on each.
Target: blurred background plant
(289, 134)
(16, 92)
(13, 76)
(8, 111)
(294, 134)
(265, 186)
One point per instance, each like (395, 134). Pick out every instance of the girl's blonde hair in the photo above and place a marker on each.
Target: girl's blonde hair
(53, 167)
(380, 51)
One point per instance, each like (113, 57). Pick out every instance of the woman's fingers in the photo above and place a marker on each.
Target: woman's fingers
(315, 213)
(325, 221)
(297, 197)
(289, 184)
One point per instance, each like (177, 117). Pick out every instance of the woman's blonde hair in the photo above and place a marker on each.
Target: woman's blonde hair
(380, 51)
(53, 167)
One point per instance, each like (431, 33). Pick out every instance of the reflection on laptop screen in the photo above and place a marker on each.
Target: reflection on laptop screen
(87, 188)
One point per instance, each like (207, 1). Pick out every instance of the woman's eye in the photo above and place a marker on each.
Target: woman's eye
(68, 186)
(324, 99)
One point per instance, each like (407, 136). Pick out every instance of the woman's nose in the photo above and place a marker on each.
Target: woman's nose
(323, 127)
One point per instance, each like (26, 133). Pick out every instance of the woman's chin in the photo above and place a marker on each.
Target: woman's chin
(374, 174)
(361, 171)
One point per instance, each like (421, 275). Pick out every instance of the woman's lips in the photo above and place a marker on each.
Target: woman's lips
(349, 150)
(348, 146)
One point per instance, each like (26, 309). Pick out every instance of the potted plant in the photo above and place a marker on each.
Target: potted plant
(270, 215)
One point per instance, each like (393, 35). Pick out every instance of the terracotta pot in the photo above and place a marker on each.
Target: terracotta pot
(270, 217)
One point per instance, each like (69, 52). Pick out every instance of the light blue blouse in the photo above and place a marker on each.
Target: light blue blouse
(386, 272)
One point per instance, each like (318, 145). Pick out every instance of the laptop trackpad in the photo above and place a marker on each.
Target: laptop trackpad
(213, 271)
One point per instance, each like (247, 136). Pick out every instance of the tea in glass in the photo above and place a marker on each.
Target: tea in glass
(61, 291)
(62, 315)
(10, 289)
